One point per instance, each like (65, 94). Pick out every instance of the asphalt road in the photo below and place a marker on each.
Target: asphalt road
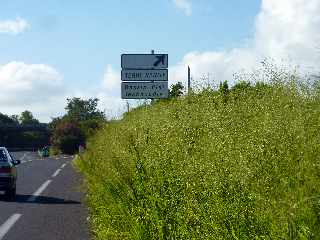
(49, 202)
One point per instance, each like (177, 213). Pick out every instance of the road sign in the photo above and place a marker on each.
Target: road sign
(144, 75)
(144, 90)
(144, 61)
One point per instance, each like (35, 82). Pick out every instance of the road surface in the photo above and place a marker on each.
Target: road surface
(49, 202)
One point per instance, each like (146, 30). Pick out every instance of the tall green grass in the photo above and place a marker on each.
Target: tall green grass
(238, 165)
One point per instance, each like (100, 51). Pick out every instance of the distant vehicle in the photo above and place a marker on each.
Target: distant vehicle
(8, 173)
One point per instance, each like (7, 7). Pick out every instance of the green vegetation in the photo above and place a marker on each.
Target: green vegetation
(236, 163)
(176, 90)
(26, 118)
(23, 132)
(80, 122)
(65, 133)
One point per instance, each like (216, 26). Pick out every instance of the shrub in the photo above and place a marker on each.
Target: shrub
(67, 136)
(54, 151)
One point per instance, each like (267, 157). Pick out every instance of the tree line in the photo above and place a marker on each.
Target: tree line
(65, 133)
(23, 131)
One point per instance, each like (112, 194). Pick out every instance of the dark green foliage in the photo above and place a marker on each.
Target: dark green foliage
(241, 86)
(80, 122)
(29, 134)
(6, 120)
(67, 137)
(176, 90)
(54, 123)
(26, 118)
(224, 88)
(81, 110)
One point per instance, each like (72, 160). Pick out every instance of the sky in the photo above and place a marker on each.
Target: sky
(53, 50)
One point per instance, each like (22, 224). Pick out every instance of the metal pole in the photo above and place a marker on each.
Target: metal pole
(152, 100)
(128, 106)
(189, 80)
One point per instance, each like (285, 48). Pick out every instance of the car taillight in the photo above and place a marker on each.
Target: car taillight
(5, 170)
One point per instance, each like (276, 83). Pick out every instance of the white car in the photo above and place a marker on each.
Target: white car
(8, 173)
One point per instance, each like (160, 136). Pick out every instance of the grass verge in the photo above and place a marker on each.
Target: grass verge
(239, 164)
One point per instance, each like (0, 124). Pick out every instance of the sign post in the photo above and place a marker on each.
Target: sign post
(144, 76)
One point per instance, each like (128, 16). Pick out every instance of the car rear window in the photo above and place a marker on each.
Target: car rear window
(3, 156)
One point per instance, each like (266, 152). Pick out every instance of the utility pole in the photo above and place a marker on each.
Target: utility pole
(189, 81)
(128, 106)
(152, 52)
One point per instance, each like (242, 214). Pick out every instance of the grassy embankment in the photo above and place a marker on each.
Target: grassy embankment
(239, 165)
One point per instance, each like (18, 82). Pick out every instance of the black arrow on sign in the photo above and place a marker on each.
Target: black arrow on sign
(160, 59)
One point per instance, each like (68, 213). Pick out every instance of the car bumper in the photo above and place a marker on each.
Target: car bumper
(6, 182)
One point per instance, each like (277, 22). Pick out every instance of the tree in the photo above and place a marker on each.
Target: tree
(26, 118)
(29, 134)
(81, 121)
(241, 86)
(67, 137)
(176, 90)
(54, 123)
(15, 118)
(82, 110)
(4, 119)
(224, 87)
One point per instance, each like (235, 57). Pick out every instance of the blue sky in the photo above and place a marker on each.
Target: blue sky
(72, 48)
(79, 38)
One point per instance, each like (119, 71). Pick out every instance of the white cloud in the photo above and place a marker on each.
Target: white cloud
(108, 93)
(286, 30)
(13, 26)
(35, 87)
(219, 65)
(184, 5)
(111, 79)
(289, 29)
(113, 106)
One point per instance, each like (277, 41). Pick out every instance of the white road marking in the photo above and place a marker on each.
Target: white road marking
(24, 155)
(56, 173)
(4, 228)
(39, 191)
(63, 165)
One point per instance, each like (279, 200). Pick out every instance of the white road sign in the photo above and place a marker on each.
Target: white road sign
(144, 61)
(144, 90)
(144, 75)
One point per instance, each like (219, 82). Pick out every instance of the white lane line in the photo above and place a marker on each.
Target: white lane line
(24, 155)
(4, 228)
(56, 173)
(39, 191)
(22, 162)
(63, 165)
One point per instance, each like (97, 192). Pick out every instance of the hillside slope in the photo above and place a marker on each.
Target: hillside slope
(243, 164)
